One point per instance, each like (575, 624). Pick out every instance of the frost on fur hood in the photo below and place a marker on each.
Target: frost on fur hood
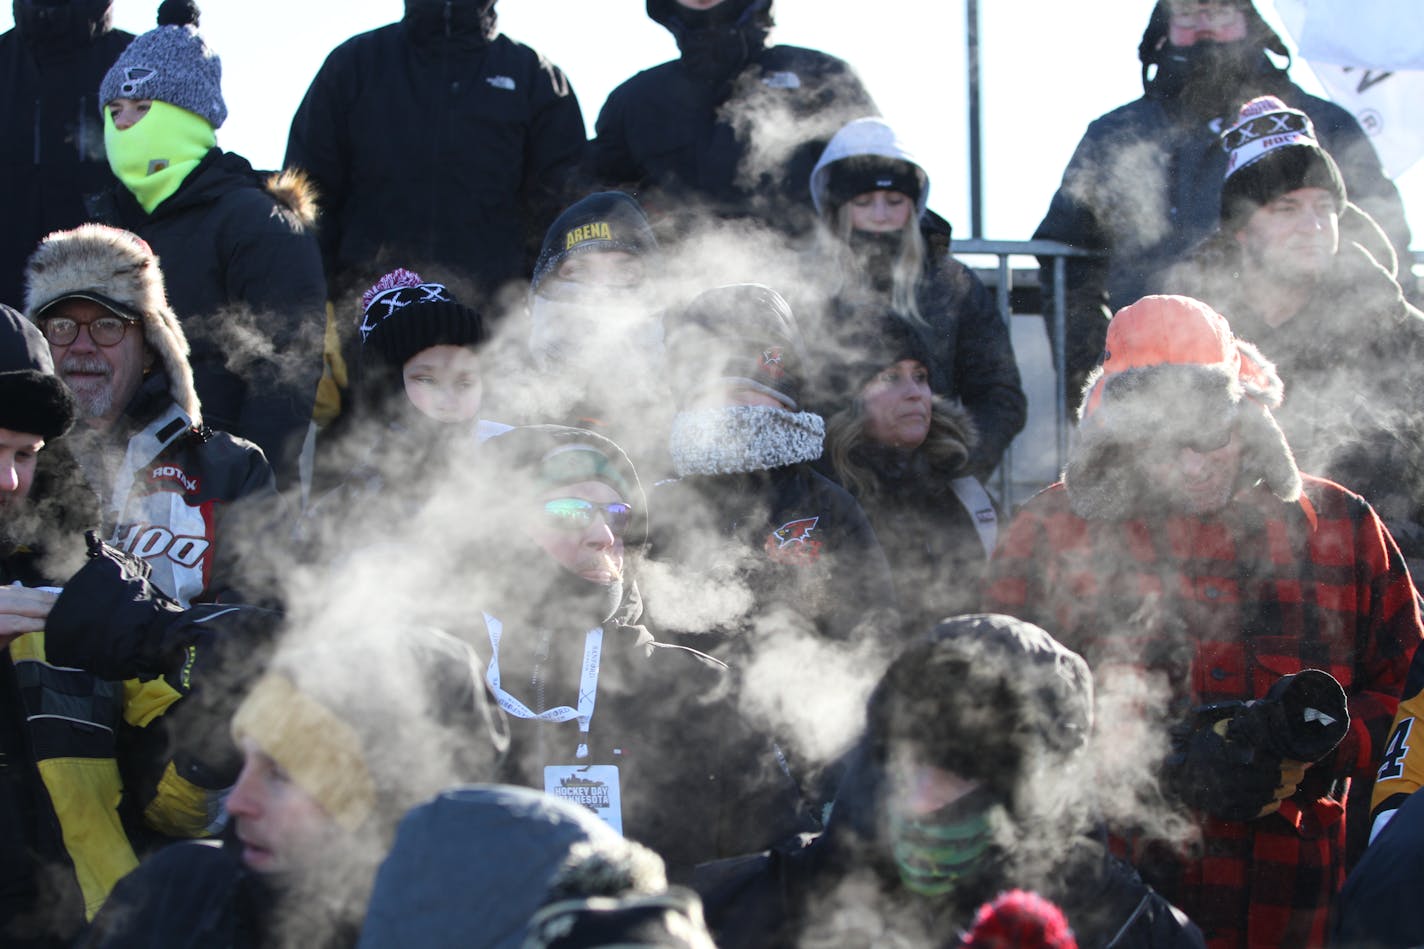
(117, 270)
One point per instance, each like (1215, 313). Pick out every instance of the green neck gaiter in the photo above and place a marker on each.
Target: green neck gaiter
(154, 155)
(936, 854)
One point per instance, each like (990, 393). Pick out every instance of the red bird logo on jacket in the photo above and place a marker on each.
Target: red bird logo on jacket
(792, 542)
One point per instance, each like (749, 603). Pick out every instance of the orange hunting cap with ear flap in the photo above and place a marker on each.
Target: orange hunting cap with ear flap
(1169, 330)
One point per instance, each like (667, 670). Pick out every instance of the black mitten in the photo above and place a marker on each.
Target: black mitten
(1301, 718)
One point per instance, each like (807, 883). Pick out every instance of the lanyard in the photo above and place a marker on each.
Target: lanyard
(588, 685)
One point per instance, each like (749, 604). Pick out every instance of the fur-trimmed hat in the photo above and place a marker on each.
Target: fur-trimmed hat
(171, 64)
(741, 334)
(404, 314)
(1272, 150)
(604, 221)
(32, 399)
(119, 271)
(1173, 374)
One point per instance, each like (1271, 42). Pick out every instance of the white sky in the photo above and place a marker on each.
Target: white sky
(1048, 68)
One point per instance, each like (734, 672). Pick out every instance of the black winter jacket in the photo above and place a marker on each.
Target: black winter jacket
(696, 782)
(443, 152)
(51, 141)
(1144, 187)
(239, 259)
(797, 540)
(681, 143)
(1352, 361)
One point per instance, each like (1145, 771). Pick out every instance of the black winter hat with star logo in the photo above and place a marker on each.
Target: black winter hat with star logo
(402, 315)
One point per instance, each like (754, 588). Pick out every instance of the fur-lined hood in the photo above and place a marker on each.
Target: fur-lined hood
(296, 192)
(1173, 373)
(117, 270)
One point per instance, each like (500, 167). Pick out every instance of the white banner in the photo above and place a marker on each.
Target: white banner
(1370, 64)
(1382, 34)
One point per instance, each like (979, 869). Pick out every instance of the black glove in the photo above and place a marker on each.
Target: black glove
(1239, 760)
(108, 620)
(1209, 772)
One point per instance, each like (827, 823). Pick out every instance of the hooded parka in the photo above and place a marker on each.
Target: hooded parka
(51, 136)
(1144, 185)
(707, 132)
(240, 260)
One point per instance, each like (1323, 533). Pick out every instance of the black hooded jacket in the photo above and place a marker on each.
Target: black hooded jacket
(487, 132)
(684, 142)
(697, 782)
(1144, 187)
(240, 260)
(51, 136)
(846, 883)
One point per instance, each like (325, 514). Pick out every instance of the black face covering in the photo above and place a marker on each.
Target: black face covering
(877, 252)
(51, 25)
(1209, 79)
(469, 23)
(717, 43)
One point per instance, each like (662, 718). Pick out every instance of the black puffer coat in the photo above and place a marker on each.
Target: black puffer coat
(243, 272)
(1352, 361)
(486, 134)
(51, 136)
(846, 881)
(682, 143)
(1144, 186)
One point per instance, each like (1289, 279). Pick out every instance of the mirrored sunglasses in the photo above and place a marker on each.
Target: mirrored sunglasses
(577, 514)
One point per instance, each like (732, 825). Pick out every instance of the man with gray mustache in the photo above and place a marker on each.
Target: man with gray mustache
(167, 482)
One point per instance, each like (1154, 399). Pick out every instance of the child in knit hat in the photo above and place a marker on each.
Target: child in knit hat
(417, 339)
(417, 403)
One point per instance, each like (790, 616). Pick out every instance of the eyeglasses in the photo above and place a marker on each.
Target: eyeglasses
(577, 514)
(1186, 13)
(105, 331)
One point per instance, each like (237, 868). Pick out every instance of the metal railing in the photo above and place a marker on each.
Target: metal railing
(1018, 292)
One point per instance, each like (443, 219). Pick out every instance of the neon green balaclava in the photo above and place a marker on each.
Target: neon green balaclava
(154, 155)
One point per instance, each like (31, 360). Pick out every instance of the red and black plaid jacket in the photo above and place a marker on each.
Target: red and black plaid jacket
(1221, 606)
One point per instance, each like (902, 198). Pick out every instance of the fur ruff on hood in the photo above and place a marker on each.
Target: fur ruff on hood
(296, 192)
(1176, 400)
(119, 271)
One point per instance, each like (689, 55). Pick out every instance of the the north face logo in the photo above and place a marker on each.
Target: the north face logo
(501, 82)
(134, 78)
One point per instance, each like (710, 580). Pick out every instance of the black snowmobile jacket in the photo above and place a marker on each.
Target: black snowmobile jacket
(51, 137)
(488, 136)
(685, 145)
(239, 258)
